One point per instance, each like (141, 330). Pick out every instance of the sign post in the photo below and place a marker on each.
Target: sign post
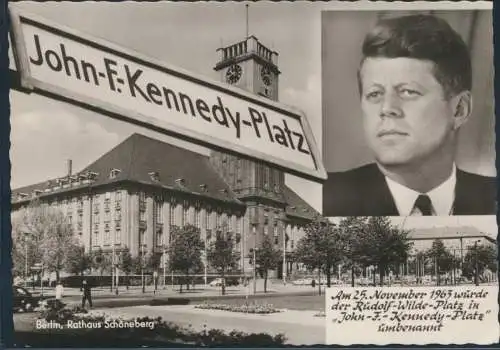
(64, 64)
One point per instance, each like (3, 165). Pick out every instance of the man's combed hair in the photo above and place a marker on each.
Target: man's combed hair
(424, 37)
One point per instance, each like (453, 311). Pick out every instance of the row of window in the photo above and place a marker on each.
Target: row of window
(108, 237)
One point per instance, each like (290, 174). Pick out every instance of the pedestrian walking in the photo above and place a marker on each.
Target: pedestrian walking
(59, 290)
(87, 294)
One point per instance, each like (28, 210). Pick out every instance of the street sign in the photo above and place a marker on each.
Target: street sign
(64, 64)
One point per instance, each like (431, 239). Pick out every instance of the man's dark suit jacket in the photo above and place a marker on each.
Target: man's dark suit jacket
(364, 192)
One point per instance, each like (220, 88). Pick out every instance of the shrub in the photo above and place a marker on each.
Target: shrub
(250, 308)
(166, 332)
(169, 301)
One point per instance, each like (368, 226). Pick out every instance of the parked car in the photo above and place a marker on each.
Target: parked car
(302, 282)
(23, 300)
(229, 282)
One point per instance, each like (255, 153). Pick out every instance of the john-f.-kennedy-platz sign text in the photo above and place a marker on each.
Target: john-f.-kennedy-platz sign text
(64, 64)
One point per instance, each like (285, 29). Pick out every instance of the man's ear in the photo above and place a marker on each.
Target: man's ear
(462, 108)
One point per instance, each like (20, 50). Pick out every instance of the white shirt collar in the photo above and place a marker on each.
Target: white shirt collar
(442, 196)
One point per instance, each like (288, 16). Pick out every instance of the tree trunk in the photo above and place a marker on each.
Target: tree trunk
(265, 281)
(381, 270)
(81, 275)
(223, 283)
(319, 281)
(328, 277)
(57, 275)
(352, 276)
(127, 280)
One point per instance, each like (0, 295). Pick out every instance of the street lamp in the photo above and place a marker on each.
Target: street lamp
(254, 250)
(142, 267)
(476, 263)
(164, 265)
(284, 257)
(26, 259)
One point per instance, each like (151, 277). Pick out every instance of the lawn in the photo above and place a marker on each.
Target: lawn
(296, 302)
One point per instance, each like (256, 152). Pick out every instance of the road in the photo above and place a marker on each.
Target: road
(300, 327)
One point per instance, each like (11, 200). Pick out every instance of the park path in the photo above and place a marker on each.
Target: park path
(299, 327)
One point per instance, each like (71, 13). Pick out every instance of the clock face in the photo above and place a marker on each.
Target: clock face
(266, 75)
(233, 74)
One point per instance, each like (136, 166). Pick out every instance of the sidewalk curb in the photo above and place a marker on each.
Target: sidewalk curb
(117, 301)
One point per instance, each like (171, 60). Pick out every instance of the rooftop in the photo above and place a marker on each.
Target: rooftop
(448, 232)
(148, 161)
(142, 159)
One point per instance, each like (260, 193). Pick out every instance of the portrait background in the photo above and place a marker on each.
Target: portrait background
(343, 32)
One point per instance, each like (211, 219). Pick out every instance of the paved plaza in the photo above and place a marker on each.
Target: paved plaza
(301, 327)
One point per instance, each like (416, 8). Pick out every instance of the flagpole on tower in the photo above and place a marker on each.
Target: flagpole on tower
(246, 8)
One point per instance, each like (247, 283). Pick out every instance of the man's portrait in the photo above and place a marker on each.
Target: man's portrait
(412, 132)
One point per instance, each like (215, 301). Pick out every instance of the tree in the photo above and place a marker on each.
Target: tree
(486, 257)
(99, 261)
(379, 243)
(47, 233)
(322, 247)
(78, 261)
(442, 259)
(352, 229)
(126, 265)
(153, 262)
(267, 258)
(221, 255)
(185, 250)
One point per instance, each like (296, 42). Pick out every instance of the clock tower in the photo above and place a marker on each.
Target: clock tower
(251, 66)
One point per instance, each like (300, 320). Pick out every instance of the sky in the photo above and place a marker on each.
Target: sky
(45, 133)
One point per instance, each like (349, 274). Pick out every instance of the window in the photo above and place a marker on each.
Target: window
(118, 215)
(159, 212)
(96, 237)
(197, 217)
(237, 228)
(70, 219)
(266, 229)
(275, 229)
(142, 215)
(185, 213)
(208, 213)
(266, 177)
(118, 196)
(172, 215)
(159, 236)
(118, 236)
(217, 220)
(142, 197)
(107, 216)
(96, 218)
(107, 237)
(114, 173)
(142, 242)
